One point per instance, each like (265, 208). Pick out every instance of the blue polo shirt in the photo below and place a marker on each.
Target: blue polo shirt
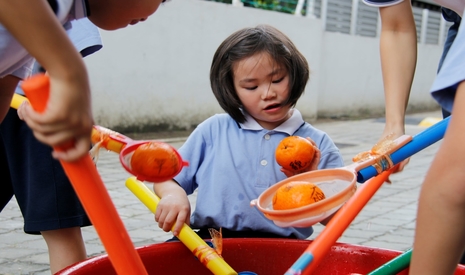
(231, 164)
(451, 73)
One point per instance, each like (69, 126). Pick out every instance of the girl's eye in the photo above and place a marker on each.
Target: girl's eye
(279, 80)
(250, 88)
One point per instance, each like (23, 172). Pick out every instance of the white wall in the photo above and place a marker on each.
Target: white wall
(156, 73)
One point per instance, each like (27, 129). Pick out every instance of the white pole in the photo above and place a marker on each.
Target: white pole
(424, 25)
(237, 3)
(324, 12)
(353, 17)
(442, 31)
(311, 8)
(298, 8)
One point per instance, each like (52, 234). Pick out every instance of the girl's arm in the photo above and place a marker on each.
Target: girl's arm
(68, 115)
(440, 229)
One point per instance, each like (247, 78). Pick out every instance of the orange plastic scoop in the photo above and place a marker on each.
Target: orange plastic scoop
(338, 185)
(319, 248)
(162, 164)
(113, 141)
(125, 147)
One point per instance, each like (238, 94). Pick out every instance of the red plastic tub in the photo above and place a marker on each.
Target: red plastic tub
(262, 256)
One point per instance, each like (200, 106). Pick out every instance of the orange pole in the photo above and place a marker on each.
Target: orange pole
(315, 252)
(92, 193)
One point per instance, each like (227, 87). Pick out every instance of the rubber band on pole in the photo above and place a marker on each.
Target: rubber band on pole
(385, 163)
(205, 254)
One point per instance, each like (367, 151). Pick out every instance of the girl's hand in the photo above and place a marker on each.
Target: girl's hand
(173, 210)
(395, 134)
(398, 168)
(313, 166)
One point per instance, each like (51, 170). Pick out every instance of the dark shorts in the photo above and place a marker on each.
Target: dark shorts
(29, 172)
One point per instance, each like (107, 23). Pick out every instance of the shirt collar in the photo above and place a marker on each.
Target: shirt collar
(289, 126)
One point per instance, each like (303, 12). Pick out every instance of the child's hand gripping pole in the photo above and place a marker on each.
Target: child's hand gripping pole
(419, 142)
(92, 193)
(191, 240)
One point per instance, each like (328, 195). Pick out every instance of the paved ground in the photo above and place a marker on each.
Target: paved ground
(387, 221)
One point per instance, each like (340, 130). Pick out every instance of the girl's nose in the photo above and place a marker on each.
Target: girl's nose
(268, 93)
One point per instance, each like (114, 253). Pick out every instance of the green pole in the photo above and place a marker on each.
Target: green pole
(395, 265)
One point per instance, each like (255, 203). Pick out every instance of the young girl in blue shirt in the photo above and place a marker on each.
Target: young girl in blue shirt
(257, 76)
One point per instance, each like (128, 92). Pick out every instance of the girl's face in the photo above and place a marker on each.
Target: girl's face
(263, 87)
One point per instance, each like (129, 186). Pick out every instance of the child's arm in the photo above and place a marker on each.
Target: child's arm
(440, 229)
(68, 115)
(398, 51)
(174, 207)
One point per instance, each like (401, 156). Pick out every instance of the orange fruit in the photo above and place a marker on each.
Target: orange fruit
(295, 153)
(155, 160)
(296, 194)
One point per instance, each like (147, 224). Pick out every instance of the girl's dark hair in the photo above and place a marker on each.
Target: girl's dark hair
(248, 42)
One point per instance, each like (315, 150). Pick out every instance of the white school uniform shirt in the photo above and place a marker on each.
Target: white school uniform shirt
(14, 59)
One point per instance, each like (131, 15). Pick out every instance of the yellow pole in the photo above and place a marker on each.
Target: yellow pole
(17, 100)
(207, 255)
(114, 142)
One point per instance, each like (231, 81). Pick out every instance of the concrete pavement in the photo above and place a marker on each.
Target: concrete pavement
(387, 221)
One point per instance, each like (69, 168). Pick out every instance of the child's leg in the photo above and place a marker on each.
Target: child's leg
(45, 196)
(7, 87)
(6, 188)
(65, 247)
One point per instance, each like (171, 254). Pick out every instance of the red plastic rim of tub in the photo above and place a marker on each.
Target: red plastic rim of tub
(259, 255)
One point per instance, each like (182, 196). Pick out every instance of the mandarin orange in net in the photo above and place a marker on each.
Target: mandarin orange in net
(295, 153)
(296, 194)
(155, 160)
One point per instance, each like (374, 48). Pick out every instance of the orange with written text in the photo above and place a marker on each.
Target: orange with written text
(155, 160)
(296, 194)
(295, 153)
